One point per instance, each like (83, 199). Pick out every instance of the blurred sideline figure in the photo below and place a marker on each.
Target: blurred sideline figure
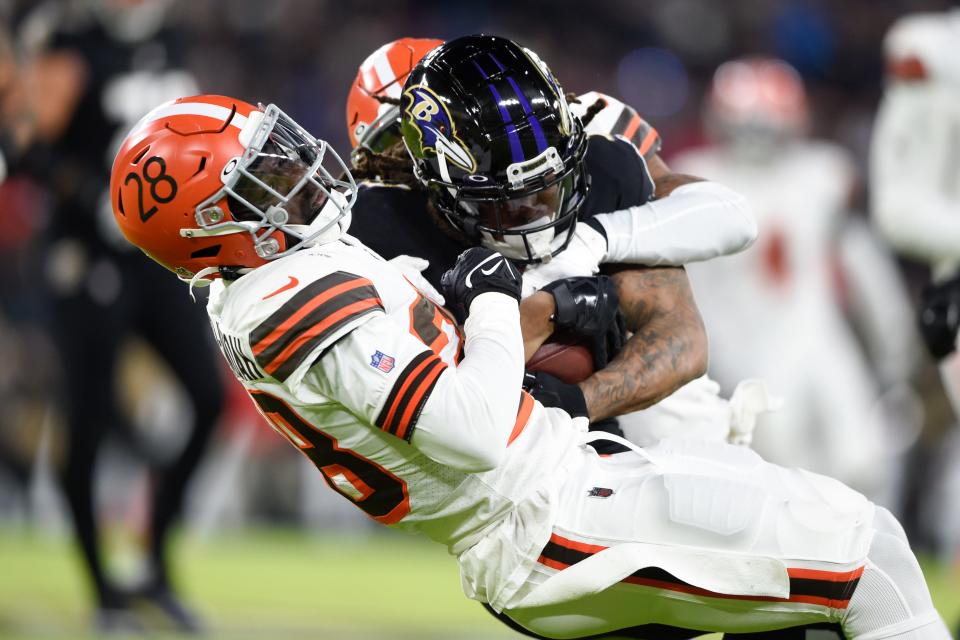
(915, 179)
(113, 60)
(775, 312)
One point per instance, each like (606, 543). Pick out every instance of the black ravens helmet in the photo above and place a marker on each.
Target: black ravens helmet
(494, 142)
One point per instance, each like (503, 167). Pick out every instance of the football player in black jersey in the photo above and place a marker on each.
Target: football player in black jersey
(512, 202)
(580, 177)
(110, 66)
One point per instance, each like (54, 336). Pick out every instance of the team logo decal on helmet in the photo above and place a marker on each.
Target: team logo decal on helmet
(435, 129)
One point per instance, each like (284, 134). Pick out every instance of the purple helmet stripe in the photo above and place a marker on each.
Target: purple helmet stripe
(497, 62)
(528, 111)
(516, 149)
(480, 69)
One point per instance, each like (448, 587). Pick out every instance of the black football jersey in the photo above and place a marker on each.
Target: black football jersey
(124, 80)
(394, 220)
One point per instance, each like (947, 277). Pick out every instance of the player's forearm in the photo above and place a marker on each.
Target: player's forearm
(536, 324)
(665, 179)
(697, 222)
(667, 350)
(471, 412)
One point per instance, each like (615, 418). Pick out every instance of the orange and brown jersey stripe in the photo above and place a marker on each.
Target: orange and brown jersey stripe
(647, 140)
(286, 338)
(638, 131)
(824, 588)
(523, 416)
(409, 393)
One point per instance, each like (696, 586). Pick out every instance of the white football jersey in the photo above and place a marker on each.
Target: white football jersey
(914, 165)
(347, 360)
(774, 312)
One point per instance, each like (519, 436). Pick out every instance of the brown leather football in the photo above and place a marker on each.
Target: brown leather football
(571, 362)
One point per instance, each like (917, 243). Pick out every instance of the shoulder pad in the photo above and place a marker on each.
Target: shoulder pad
(291, 311)
(619, 119)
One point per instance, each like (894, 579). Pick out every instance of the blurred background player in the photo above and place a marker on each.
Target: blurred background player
(777, 310)
(112, 62)
(915, 189)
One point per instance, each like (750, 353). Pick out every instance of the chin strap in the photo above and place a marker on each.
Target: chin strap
(199, 279)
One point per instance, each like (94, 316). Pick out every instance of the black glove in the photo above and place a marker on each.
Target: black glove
(478, 270)
(554, 392)
(588, 307)
(940, 317)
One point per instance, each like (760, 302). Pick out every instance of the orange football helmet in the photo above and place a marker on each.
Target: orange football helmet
(382, 75)
(208, 182)
(754, 97)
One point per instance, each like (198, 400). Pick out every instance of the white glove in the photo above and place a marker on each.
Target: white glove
(582, 257)
(749, 399)
(412, 267)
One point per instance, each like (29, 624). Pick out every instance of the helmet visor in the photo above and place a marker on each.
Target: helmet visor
(543, 206)
(533, 226)
(285, 181)
(284, 170)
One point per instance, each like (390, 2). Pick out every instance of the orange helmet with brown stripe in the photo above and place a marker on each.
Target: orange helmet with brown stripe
(209, 184)
(373, 102)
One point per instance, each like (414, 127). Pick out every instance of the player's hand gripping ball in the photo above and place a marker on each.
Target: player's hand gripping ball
(588, 309)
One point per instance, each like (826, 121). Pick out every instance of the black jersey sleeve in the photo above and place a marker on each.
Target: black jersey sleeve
(619, 177)
(394, 221)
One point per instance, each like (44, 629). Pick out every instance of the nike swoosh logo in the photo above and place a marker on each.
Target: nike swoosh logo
(290, 285)
(496, 256)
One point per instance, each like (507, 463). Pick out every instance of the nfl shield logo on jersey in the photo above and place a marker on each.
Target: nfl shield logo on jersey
(382, 361)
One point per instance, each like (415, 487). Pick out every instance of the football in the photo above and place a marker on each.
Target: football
(571, 362)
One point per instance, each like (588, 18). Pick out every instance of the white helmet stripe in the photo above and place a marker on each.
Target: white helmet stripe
(385, 72)
(193, 109)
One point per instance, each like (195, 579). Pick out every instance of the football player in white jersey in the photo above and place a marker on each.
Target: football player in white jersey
(915, 192)
(423, 424)
(775, 312)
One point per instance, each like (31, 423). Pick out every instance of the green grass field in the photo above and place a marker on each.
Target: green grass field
(285, 585)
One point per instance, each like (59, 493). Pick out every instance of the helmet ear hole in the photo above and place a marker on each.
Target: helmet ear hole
(207, 252)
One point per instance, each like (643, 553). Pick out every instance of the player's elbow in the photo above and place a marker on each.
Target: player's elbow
(483, 439)
(741, 229)
(482, 459)
(470, 452)
(748, 230)
(464, 432)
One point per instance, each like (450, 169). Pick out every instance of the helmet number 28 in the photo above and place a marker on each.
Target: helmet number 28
(162, 187)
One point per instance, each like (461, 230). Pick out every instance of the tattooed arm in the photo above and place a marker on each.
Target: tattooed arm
(665, 179)
(667, 350)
